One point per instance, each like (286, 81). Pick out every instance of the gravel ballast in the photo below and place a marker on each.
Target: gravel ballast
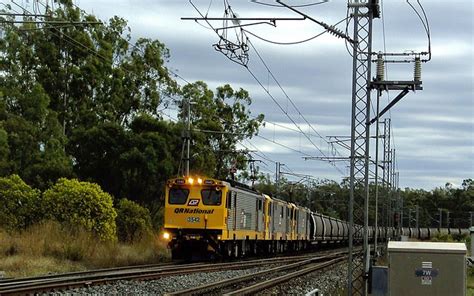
(327, 281)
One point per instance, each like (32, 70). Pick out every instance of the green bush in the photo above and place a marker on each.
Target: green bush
(157, 212)
(442, 238)
(19, 204)
(133, 221)
(83, 205)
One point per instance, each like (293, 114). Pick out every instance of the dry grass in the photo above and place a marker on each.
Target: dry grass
(50, 248)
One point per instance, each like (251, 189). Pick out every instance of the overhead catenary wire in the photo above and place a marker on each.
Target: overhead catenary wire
(76, 43)
(216, 117)
(267, 91)
(174, 73)
(72, 41)
(294, 6)
(294, 42)
(288, 99)
(425, 23)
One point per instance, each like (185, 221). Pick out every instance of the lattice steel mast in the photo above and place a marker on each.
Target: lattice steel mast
(362, 12)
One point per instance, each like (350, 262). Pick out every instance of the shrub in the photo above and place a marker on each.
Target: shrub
(442, 238)
(133, 221)
(157, 212)
(19, 203)
(83, 205)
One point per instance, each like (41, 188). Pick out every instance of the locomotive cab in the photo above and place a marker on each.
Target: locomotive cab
(195, 214)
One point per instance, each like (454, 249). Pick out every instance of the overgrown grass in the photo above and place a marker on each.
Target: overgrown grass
(50, 248)
(470, 281)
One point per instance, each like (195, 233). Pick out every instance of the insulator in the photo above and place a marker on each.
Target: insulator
(417, 69)
(380, 67)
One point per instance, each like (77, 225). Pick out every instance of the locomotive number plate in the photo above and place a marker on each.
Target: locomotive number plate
(193, 219)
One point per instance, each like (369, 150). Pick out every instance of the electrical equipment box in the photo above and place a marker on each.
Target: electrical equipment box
(426, 268)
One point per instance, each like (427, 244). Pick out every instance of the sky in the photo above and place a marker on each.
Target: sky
(432, 129)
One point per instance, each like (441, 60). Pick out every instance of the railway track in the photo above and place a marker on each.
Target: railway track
(146, 272)
(257, 282)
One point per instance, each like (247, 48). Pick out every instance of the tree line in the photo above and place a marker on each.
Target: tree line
(86, 101)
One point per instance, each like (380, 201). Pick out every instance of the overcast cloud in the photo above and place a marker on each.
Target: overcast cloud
(432, 129)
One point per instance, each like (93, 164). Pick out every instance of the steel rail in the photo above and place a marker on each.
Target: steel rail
(13, 281)
(284, 278)
(49, 284)
(232, 281)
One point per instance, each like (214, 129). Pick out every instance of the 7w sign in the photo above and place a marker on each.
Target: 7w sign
(426, 273)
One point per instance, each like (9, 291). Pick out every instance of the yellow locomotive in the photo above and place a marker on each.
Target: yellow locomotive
(225, 218)
(205, 217)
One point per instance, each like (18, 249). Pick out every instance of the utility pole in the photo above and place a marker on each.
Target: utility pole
(362, 13)
(188, 134)
(417, 215)
(393, 188)
(440, 218)
(447, 219)
(400, 199)
(401, 215)
(379, 77)
(389, 188)
(376, 179)
(277, 177)
(409, 218)
(386, 169)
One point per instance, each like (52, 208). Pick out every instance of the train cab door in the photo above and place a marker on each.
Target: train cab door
(296, 228)
(294, 223)
(230, 215)
(268, 218)
(259, 216)
(231, 205)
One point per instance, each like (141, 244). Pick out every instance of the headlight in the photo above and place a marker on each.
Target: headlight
(166, 235)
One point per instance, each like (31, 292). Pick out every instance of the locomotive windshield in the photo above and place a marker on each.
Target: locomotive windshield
(211, 197)
(178, 196)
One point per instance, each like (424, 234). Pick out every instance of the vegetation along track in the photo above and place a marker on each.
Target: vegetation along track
(256, 282)
(145, 272)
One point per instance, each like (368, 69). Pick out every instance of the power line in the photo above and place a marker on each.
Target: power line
(136, 47)
(290, 118)
(294, 6)
(294, 42)
(230, 50)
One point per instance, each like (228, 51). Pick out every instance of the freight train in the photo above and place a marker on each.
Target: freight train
(205, 216)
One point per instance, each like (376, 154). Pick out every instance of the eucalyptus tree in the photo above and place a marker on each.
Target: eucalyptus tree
(219, 121)
(66, 76)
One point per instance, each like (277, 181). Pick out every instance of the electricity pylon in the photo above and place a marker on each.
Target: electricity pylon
(362, 13)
